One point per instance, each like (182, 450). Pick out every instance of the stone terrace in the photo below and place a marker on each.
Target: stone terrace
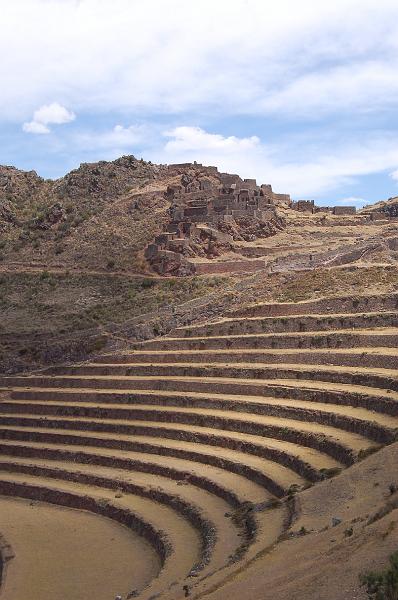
(208, 433)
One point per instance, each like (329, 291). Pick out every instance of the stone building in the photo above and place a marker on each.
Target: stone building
(310, 207)
(304, 206)
(207, 209)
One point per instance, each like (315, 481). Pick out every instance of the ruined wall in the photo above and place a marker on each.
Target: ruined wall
(208, 211)
(344, 210)
(242, 266)
(304, 206)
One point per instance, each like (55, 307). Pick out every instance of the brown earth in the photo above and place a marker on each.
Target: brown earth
(65, 553)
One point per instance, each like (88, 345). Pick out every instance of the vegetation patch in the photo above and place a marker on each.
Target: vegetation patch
(383, 585)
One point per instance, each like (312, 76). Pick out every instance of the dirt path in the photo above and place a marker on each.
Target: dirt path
(65, 270)
(102, 559)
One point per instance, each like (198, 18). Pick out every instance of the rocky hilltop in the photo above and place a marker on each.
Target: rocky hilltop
(384, 208)
(97, 215)
(104, 215)
(134, 216)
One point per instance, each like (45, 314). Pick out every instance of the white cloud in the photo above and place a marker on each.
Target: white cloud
(370, 85)
(121, 136)
(112, 142)
(35, 127)
(302, 174)
(229, 56)
(53, 113)
(394, 175)
(196, 139)
(48, 114)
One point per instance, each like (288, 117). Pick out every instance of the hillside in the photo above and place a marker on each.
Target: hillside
(387, 207)
(76, 275)
(210, 366)
(99, 215)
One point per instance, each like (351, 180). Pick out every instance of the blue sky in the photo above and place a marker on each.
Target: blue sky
(300, 95)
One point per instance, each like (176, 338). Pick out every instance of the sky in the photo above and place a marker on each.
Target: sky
(301, 95)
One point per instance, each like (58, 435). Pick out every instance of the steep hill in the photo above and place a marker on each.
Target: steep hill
(101, 214)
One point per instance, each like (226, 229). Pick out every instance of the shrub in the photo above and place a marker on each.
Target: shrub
(383, 585)
(331, 472)
(147, 283)
(392, 488)
(365, 452)
(97, 344)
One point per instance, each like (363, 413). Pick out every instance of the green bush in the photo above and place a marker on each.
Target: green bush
(383, 585)
(147, 283)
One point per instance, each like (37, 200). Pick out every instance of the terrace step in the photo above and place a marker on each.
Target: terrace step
(183, 475)
(179, 548)
(339, 304)
(221, 539)
(340, 444)
(174, 441)
(354, 357)
(293, 323)
(374, 399)
(238, 466)
(377, 426)
(343, 338)
(365, 376)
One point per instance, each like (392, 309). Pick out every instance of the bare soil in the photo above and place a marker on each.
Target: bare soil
(70, 554)
(322, 562)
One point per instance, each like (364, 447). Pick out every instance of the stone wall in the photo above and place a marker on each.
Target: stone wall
(344, 210)
(310, 206)
(242, 266)
(304, 206)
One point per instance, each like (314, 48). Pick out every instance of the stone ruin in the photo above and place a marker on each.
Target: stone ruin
(211, 211)
(383, 211)
(310, 206)
(208, 212)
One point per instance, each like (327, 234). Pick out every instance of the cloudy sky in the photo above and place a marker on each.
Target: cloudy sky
(302, 95)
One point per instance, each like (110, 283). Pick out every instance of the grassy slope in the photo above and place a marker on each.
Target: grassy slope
(40, 310)
(49, 317)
